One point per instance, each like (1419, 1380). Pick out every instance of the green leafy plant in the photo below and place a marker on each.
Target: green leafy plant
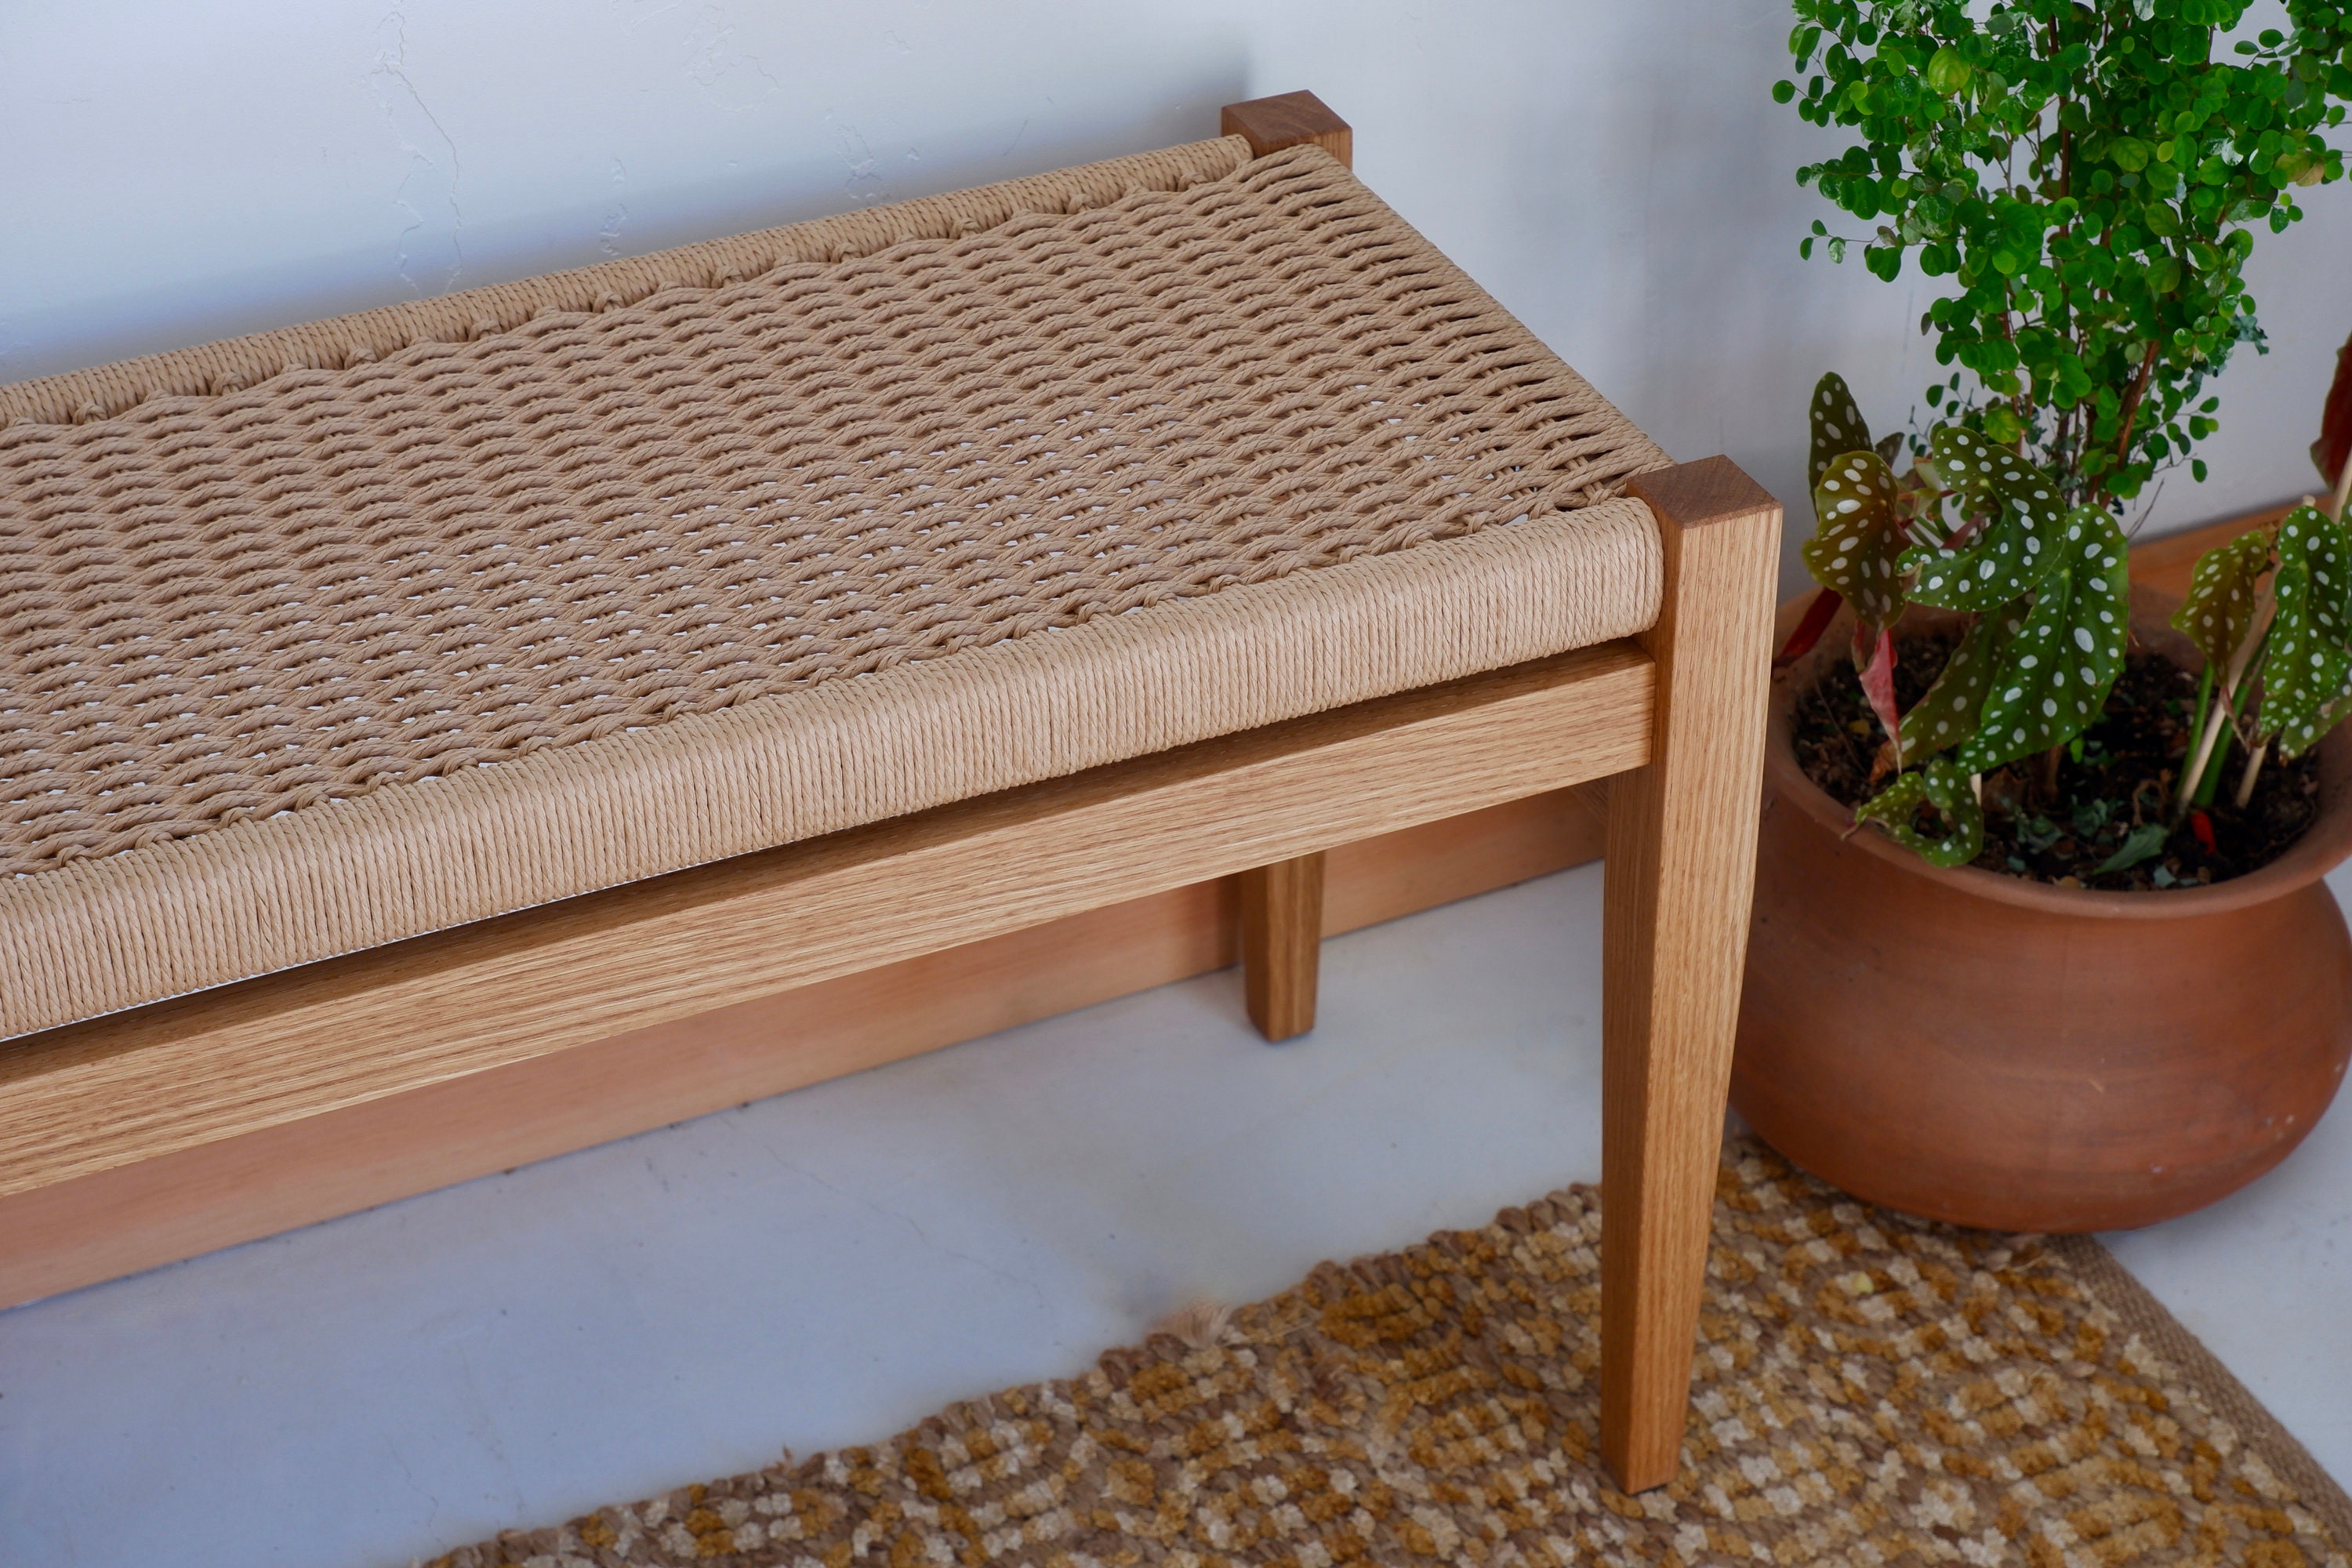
(2088, 176)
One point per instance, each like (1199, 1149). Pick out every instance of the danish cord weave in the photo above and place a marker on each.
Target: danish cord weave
(628, 553)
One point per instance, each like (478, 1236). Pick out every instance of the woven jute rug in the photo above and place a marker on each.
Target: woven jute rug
(1870, 1389)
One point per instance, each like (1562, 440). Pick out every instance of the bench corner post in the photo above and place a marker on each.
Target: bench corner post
(1288, 119)
(1680, 875)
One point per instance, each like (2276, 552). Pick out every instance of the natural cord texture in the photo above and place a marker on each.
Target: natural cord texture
(266, 604)
(1869, 1389)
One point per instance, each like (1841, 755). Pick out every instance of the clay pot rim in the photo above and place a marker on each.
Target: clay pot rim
(2324, 846)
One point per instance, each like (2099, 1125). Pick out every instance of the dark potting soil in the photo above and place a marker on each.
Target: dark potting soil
(2062, 827)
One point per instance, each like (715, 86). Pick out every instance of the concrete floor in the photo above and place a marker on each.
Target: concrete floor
(829, 1266)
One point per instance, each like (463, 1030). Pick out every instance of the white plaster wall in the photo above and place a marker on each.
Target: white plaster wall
(1616, 173)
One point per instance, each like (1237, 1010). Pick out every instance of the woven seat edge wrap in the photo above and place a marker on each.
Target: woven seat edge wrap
(107, 931)
(196, 912)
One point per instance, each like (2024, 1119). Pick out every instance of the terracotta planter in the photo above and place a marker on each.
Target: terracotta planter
(2001, 1053)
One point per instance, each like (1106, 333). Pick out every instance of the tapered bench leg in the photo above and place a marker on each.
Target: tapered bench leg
(1282, 943)
(1680, 870)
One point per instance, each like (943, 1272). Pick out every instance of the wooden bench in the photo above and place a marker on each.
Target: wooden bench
(439, 737)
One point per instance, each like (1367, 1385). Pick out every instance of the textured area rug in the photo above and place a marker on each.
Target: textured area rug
(1870, 1389)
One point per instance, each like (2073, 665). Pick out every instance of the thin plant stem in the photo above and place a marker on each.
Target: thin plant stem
(2193, 777)
(2210, 785)
(2253, 770)
(2224, 712)
(2204, 708)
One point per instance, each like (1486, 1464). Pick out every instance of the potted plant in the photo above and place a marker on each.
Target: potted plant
(2020, 958)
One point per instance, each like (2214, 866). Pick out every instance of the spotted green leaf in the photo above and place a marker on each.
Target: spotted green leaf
(1857, 550)
(2004, 562)
(2219, 608)
(1939, 784)
(1999, 478)
(1948, 714)
(1838, 427)
(1964, 459)
(2306, 669)
(2326, 546)
(2017, 546)
(2055, 675)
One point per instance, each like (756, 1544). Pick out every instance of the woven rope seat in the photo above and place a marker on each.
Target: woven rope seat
(327, 638)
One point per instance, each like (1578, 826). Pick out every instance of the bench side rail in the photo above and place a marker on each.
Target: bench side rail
(93, 1096)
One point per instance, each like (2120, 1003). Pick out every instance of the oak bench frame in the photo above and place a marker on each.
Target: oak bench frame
(150, 1135)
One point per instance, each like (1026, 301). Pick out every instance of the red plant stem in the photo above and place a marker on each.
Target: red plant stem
(1874, 662)
(1818, 617)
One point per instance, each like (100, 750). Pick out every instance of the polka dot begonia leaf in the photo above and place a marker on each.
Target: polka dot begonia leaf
(2018, 545)
(2326, 547)
(2219, 610)
(1944, 786)
(1948, 713)
(1857, 548)
(1837, 425)
(1963, 460)
(2053, 677)
(2005, 561)
(2306, 669)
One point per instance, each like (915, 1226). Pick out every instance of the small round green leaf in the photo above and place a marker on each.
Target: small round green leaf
(1947, 73)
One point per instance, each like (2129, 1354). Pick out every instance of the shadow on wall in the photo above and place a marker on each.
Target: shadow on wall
(1632, 199)
(450, 247)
